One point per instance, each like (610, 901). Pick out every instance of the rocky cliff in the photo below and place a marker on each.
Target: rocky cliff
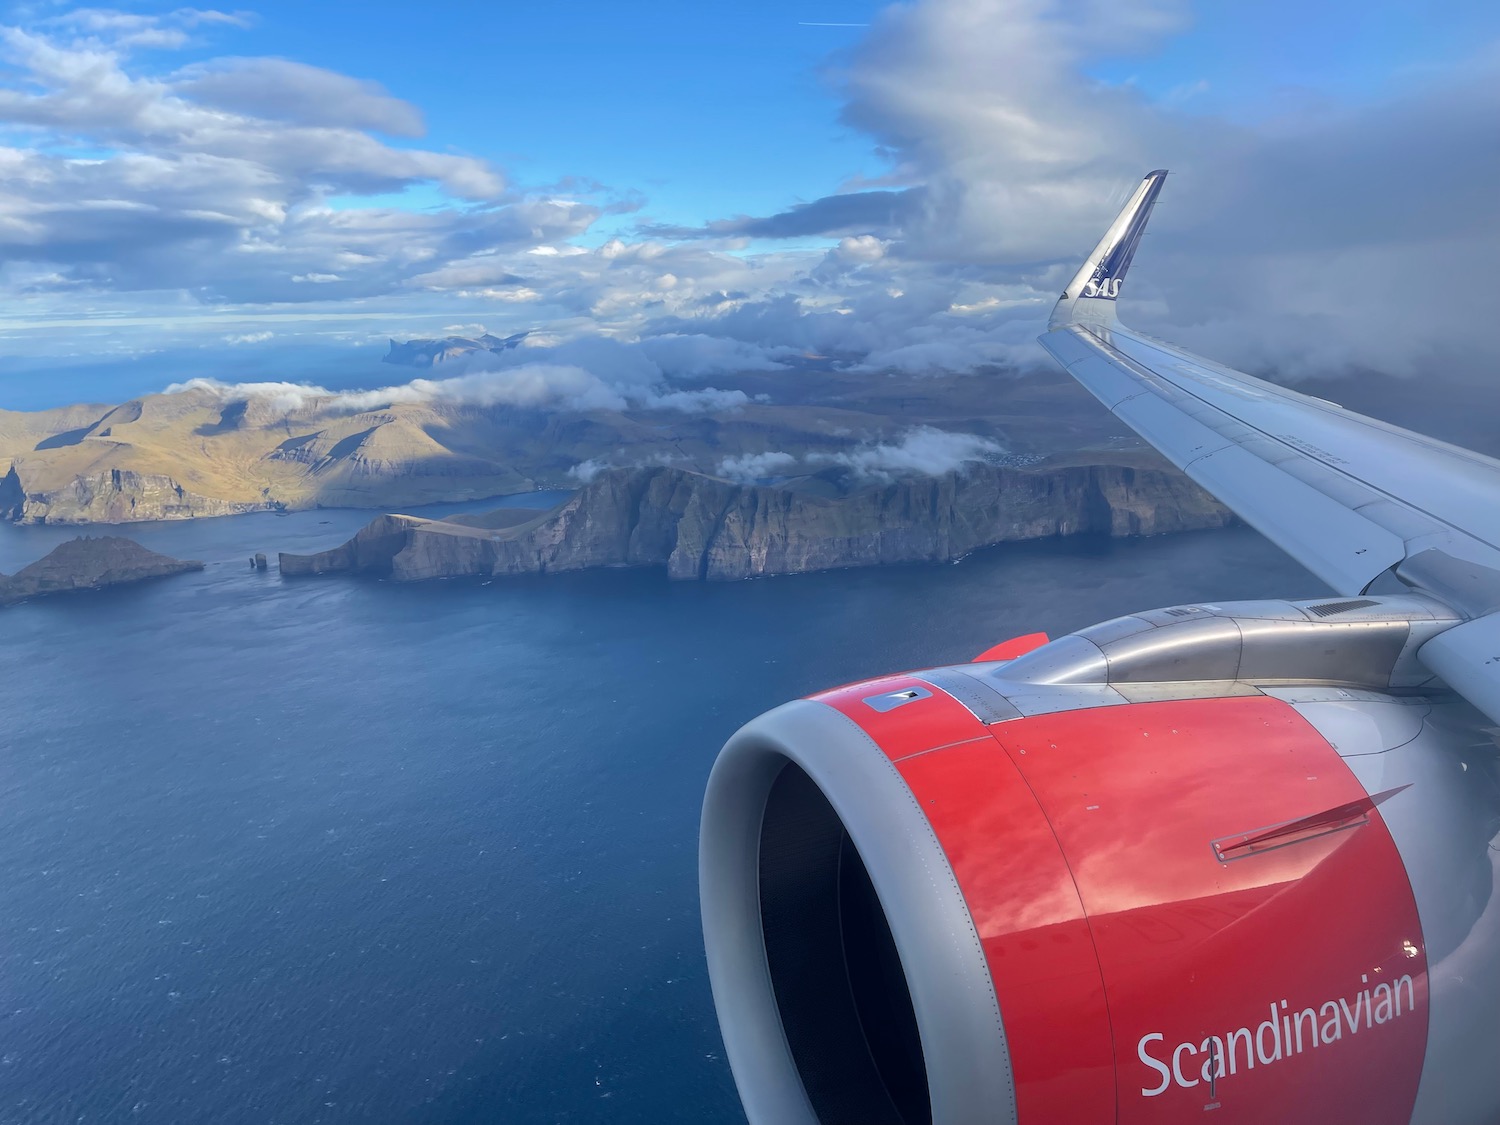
(701, 527)
(111, 496)
(89, 564)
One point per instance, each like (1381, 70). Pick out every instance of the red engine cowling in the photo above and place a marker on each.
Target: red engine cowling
(918, 911)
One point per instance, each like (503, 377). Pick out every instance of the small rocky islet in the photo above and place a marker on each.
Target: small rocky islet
(90, 563)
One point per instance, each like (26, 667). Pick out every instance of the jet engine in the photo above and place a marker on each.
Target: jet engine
(1239, 859)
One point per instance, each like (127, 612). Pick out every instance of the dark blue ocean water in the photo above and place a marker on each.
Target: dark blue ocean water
(338, 850)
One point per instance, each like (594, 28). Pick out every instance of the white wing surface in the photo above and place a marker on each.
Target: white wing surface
(1359, 502)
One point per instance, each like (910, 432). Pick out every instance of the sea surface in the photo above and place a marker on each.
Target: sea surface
(343, 850)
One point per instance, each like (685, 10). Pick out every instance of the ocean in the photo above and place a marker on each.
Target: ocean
(343, 850)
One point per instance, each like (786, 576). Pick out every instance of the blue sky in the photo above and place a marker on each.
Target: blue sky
(1254, 59)
(893, 186)
(708, 109)
(720, 109)
(711, 110)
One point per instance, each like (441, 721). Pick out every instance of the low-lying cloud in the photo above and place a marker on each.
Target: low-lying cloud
(920, 451)
(747, 468)
(923, 451)
(536, 385)
(582, 374)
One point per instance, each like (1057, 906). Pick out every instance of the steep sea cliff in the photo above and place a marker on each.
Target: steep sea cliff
(701, 527)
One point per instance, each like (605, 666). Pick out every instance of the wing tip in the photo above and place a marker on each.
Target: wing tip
(1090, 296)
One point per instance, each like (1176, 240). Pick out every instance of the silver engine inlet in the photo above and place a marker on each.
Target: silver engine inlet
(850, 983)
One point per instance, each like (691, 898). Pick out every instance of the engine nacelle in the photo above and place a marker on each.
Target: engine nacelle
(1090, 884)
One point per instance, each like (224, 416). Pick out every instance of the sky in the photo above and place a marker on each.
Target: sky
(662, 193)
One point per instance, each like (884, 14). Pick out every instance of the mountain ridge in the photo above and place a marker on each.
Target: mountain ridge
(209, 450)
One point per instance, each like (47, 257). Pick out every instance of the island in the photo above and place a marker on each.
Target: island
(804, 467)
(206, 449)
(699, 527)
(89, 563)
(430, 352)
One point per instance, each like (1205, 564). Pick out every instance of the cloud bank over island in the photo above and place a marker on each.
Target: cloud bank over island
(579, 374)
(920, 451)
(136, 194)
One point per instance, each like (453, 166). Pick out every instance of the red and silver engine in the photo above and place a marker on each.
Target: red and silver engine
(1239, 859)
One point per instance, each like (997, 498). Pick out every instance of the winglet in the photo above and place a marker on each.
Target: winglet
(1090, 296)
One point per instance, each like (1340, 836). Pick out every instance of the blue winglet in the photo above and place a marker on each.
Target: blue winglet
(1090, 296)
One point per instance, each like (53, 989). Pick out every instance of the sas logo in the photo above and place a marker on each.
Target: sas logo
(1107, 287)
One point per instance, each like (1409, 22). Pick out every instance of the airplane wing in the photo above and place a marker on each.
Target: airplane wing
(1364, 505)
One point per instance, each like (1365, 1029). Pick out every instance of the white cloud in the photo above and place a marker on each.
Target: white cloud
(538, 385)
(695, 355)
(214, 182)
(861, 248)
(1320, 240)
(924, 451)
(283, 90)
(920, 451)
(588, 373)
(709, 400)
(585, 471)
(748, 468)
(280, 398)
(1297, 245)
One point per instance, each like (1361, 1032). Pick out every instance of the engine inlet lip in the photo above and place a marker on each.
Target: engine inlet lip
(958, 1017)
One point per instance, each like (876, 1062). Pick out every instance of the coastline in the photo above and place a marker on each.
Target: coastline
(697, 527)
